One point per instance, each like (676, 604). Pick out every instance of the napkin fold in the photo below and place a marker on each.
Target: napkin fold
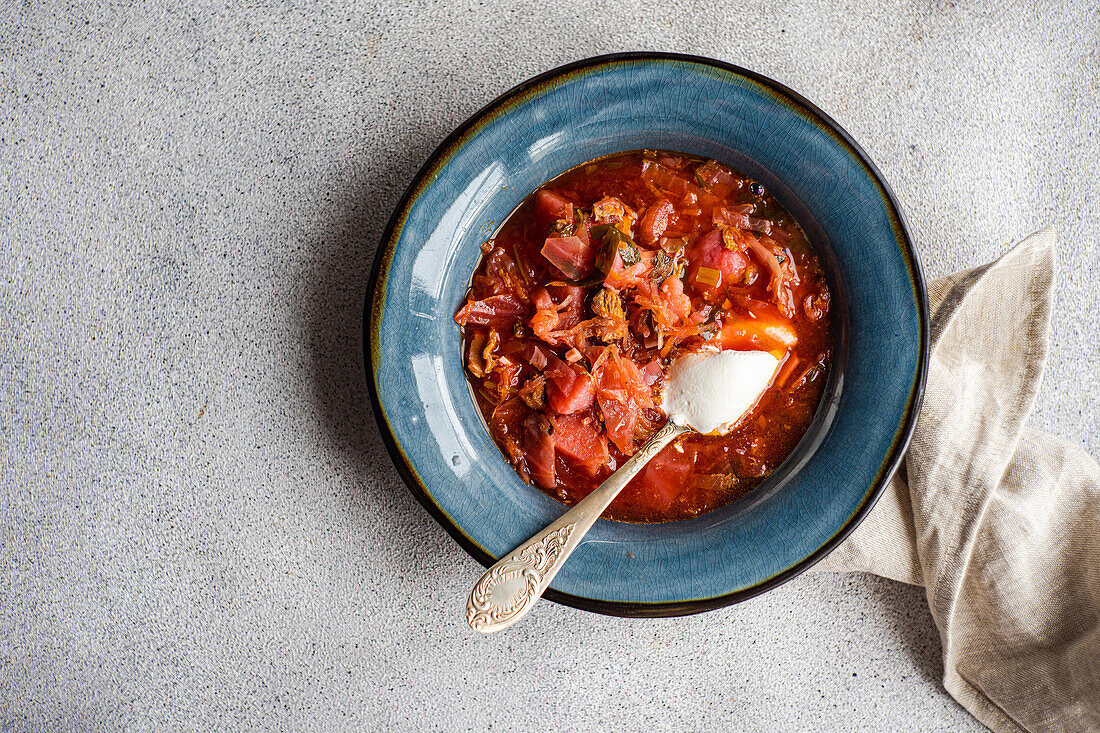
(998, 522)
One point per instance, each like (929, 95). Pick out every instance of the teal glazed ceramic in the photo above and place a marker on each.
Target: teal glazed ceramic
(565, 117)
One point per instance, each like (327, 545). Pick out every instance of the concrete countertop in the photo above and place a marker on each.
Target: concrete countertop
(200, 526)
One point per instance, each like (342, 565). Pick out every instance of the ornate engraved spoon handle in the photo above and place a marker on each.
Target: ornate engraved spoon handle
(508, 590)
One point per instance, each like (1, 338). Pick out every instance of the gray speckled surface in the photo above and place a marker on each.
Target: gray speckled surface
(200, 527)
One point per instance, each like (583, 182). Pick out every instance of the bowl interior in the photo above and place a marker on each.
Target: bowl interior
(565, 118)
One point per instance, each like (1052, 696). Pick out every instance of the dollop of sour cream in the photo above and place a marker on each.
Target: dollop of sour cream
(711, 390)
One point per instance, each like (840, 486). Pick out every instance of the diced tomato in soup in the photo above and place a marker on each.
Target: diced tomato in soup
(597, 283)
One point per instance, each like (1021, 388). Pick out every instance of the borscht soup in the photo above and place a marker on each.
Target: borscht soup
(597, 282)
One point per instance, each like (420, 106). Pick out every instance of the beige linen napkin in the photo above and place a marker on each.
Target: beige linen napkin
(999, 523)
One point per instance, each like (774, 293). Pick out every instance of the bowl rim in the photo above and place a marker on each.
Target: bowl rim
(374, 304)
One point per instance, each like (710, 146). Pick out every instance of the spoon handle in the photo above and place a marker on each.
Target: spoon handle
(508, 590)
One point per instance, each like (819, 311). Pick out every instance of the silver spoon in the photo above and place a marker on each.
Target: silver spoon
(713, 390)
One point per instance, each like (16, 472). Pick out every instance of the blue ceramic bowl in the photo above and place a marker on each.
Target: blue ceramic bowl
(561, 119)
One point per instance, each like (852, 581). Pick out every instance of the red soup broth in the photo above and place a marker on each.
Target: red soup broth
(597, 282)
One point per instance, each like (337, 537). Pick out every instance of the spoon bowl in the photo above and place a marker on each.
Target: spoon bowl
(430, 424)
